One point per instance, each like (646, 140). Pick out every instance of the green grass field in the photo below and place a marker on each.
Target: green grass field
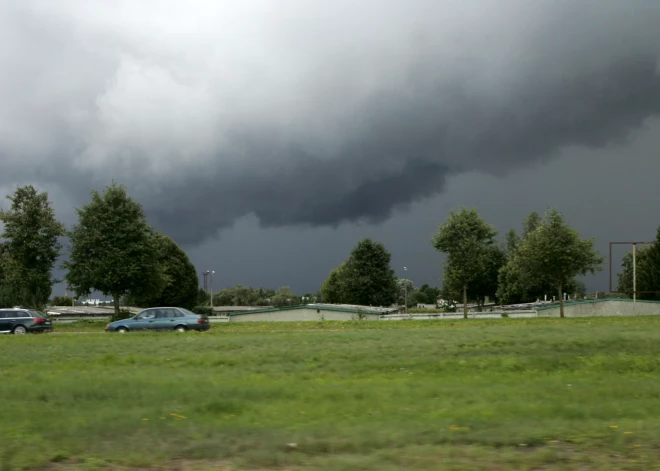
(524, 394)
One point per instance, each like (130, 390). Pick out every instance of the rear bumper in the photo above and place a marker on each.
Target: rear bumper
(40, 328)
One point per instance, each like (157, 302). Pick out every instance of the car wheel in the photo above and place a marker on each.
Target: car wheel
(180, 328)
(122, 330)
(20, 330)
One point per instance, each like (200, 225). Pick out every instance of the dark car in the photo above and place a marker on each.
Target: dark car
(161, 318)
(22, 321)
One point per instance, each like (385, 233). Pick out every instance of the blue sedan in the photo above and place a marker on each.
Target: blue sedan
(161, 318)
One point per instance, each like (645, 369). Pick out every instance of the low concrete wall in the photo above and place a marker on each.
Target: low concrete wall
(299, 315)
(458, 315)
(604, 308)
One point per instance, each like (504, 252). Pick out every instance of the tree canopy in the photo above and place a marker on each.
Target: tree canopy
(366, 278)
(553, 251)
(467, 240)
(113, 249)
(181, 286)
(30, 249)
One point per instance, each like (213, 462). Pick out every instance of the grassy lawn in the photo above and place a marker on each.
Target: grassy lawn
(523, 394)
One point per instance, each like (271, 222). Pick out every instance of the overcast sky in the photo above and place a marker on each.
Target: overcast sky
(268, 138)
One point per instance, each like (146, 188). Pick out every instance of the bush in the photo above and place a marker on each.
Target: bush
(123, 314)
(205, 310)
(62, 301)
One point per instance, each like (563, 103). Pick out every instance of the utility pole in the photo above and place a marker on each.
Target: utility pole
(405, 270)
(211, 273)
(634, 276)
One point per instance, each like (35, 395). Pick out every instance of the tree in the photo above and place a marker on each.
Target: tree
(648, 271)
(7, 298)
(332, 290)
(554, 251)
(466, 239)
(31, 247)
(366, 278)
(113, 249)
(285, 297)
(515, 286)
(181, 287)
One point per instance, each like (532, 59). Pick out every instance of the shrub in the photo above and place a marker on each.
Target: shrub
(123, 314)
(206, 310)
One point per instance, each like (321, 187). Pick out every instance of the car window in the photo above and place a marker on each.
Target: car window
(148, 314)
(21, 314)
(38, 314)
(6, 314)
(187, 312)
(162, 313)
(174, 313)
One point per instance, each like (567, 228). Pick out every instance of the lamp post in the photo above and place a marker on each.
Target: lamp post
(210, 274)
(405, 288)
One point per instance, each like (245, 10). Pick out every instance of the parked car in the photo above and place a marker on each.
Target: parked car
(161, 318)
(21, 321)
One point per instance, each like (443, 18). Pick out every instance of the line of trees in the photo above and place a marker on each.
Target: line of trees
(547, 258)
(112, 249)
(240, 295)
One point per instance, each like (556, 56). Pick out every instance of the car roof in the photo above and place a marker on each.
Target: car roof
(15, 309)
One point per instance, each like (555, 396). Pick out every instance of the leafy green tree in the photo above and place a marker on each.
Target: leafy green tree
(31, 247)
(517, 286)
(553, 251)
(113, 249)
(284, 297)
(7, 298)
(428, 294)
(332, 290)
(203, 297)
(466, 239)
(648, 272)
(62, 301)
(181, 280)
(366, 278)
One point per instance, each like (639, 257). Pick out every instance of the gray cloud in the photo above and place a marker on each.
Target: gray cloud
(311, 113)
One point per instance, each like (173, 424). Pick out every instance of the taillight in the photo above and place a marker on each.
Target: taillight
(39, 320)
(200, 320)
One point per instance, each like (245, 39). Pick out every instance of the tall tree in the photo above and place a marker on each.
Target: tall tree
(466, 239)
(113, 249)
(555, 252)
(31, 246)
(366, 278)
(181, 280)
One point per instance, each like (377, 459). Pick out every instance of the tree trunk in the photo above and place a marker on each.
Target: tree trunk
(115, 298)
(561, 301)
(464, 301)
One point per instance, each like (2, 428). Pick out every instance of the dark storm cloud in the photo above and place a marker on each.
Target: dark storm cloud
(312, 113)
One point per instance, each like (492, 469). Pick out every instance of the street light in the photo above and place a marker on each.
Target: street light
(210, 273)
(405, 291)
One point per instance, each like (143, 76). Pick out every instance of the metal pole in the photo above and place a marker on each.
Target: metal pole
(212, 291)
(634, 276)
(405, 269)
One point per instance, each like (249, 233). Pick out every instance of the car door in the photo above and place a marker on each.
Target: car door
(144, 320)
(4, 321)
(163, 319)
